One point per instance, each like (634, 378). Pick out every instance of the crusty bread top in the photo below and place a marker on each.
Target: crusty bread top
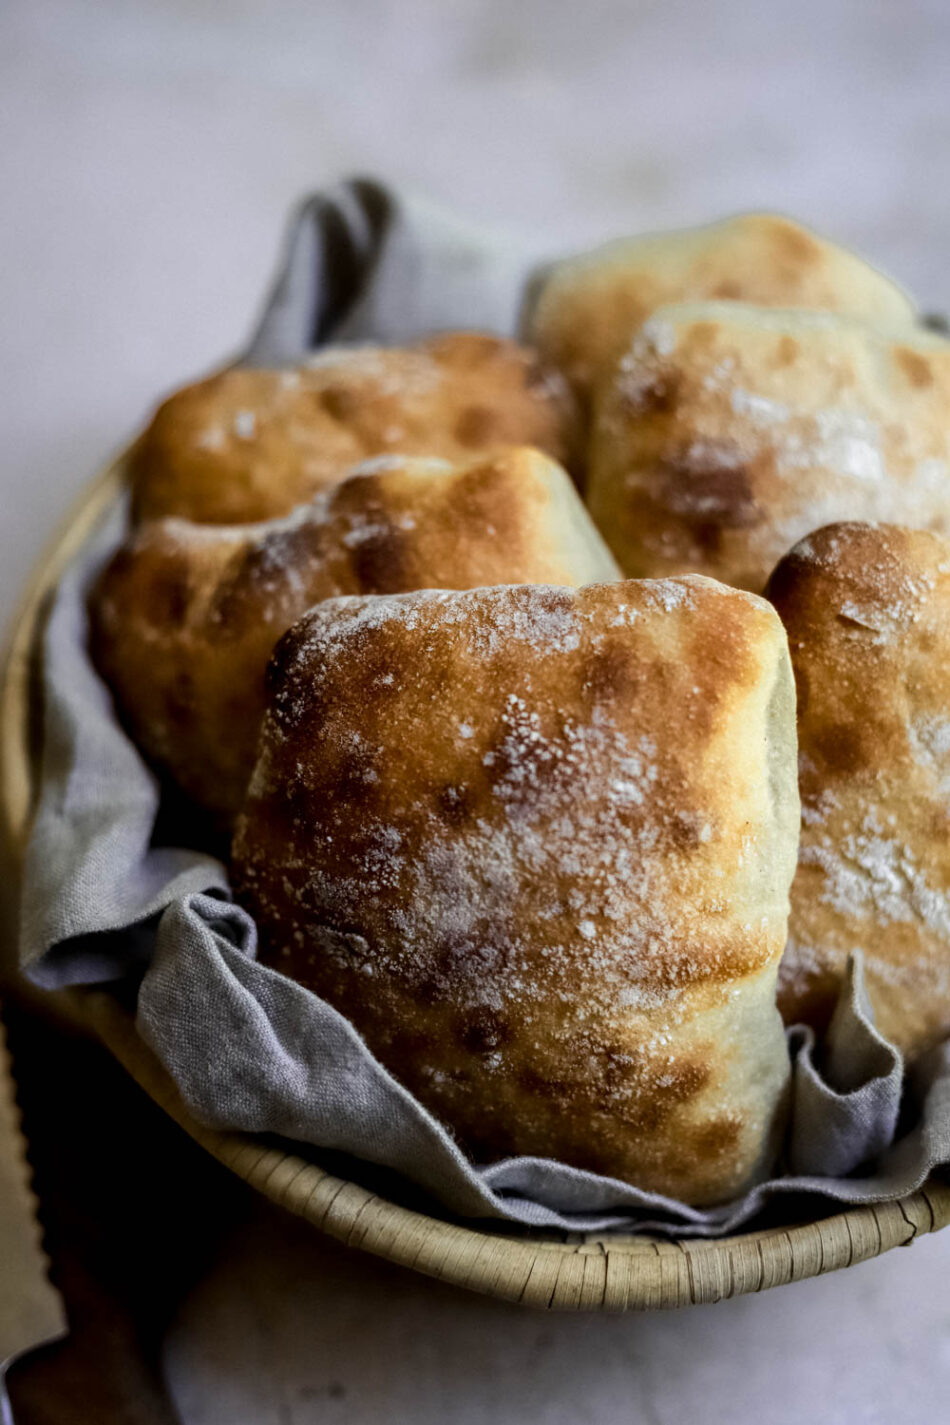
(634, 695)
(185, 615)
(617, 712)
(727, 432)
(536, 844)
(250, 444)
(867, 609)
(584, 311)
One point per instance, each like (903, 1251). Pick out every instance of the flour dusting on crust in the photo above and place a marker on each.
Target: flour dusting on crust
(536, 844)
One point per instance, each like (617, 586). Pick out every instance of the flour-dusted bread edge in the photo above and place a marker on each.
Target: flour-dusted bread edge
(537, 845)
(582, 312)
(728, 431)
(867, 609)
(251, 443)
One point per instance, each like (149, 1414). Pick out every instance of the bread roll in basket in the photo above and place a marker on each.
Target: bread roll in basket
(665, 705)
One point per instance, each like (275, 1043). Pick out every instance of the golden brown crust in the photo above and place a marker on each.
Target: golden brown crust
(584, 315)
(249, 445)
(728, 432)
(536, 845)
(185, 616)
(867, 609)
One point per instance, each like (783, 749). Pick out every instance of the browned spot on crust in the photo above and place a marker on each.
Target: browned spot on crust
(606, 1083)
(552, 600)
(483, 1029)
(252, 590)
(169, 595)
(685, 830)
(524, 765)
(842, 747)
(476, 427)
(938, 821)
(784, 580)
(915, 367)
(379, 562)
(455, 803)
(231, 609)
(659, 396)
(665, 1090)
(721, 650)
(715, 1139)
(180, 700)
(703, 334)
(293, 805)
(930, 640)
(339, 402)
(379, 551)
(787, 351)
(728, 291)
(491, 504)
(679, 1082)
(796, 246)
(607, 673)
(710, 489)
(354, 777)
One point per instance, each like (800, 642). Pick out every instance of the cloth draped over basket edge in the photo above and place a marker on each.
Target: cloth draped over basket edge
(248, 1048)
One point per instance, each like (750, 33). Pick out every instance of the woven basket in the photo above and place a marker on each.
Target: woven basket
(567, 1272)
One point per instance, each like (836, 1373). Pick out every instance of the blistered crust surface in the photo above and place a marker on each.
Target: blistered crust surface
(728, 432)
(186, 615)
(536, 845)
(867, 611)
(585, 314)
(252, 444)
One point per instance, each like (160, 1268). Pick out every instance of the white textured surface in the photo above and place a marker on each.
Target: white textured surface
(149, 151)
(292, 1329)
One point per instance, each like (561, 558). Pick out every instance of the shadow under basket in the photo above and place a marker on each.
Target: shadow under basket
(554, 1270)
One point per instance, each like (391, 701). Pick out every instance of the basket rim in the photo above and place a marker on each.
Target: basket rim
(71, 532)
(579, 1272)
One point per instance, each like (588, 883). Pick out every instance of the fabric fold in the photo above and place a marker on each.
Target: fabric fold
(362, 262)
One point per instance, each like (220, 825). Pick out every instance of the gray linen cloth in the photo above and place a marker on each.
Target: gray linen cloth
(248, 1048)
